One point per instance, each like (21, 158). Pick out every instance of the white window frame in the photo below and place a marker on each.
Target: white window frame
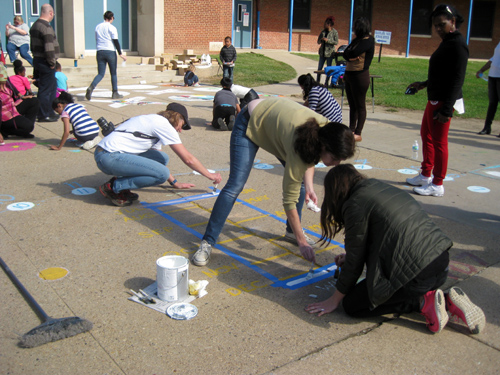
(35, 8)
(20, 13)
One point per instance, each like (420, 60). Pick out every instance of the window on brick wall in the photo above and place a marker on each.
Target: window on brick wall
(420, 18)
(363, 8)
(301, 15)
(483, 15)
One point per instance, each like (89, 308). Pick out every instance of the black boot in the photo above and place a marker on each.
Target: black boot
(88, 94)
(486, 130)
(116, 95)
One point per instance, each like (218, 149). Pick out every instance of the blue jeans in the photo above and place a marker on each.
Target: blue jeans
(321, 62)
(134, 171)
(47, 86)
(104, 57)
(227, 72)
(242, 155)
(23, 51)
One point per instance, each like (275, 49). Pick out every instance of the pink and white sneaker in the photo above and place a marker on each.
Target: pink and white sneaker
(434, 310)
(461, 308)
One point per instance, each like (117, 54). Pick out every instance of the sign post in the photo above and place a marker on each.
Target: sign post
(382, 37)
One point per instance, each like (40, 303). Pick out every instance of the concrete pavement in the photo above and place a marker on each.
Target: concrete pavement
(245, 325)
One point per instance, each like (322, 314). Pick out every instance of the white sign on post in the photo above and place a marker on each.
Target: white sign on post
(382, 37)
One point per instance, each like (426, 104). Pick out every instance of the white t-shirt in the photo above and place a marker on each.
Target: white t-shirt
(240, 91)
(495, 63)
(122, 139)
(104, 33)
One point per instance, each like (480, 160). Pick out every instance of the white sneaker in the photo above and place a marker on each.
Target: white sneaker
(202, 256)
(419, 180)
(91, 144)
(291, 237)
(430, 189)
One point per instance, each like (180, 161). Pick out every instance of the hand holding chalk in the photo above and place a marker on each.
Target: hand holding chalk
(312, 206)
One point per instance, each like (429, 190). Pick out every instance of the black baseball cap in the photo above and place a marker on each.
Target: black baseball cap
(179, 108)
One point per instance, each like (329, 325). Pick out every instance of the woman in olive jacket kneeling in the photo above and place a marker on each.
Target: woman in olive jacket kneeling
(405, 253)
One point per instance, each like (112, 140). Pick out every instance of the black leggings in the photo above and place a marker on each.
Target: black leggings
(356, 86)
(405, 300)
(224, 112)
(19, 125)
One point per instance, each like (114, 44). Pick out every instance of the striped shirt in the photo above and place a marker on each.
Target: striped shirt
(44, 42)
(80, 120)
(322, 101)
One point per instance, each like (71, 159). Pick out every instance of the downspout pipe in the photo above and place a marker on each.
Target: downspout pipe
(290, 27)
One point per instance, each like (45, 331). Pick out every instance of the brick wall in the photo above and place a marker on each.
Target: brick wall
(194, 24)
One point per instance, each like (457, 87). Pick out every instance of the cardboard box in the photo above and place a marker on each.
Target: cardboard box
(155, 61)
(161, 68)
(145, 60)
(189, 52)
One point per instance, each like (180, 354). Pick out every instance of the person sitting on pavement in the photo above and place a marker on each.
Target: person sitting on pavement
(62, 80)
(191, 79)
(18, 40)
(85, 130)
(245, 94)
(132, 153)
(226, 106)
(18, 115)
(299, 138)
(19, 80)
(319, 99)
(405, 254)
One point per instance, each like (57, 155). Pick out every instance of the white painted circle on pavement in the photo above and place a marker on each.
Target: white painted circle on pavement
(362, 166)
(83, 191)
(136, 87)
(20, 206)
(407, 171)
(478, 189)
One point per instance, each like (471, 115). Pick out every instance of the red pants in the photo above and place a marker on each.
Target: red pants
(434, 144)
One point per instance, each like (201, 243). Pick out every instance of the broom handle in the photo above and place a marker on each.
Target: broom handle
(38, 309)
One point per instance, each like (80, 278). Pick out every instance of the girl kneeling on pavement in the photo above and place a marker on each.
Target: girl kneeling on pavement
(405, 254)
(132, 153)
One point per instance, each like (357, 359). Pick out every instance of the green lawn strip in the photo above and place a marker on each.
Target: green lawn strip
(397, 73)
(254, 69)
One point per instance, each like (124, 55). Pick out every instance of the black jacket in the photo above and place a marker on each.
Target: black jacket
(386, 230)
(446, 74)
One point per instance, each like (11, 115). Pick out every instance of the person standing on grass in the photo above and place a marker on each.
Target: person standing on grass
(227, 58)
(405, 254)
(107, 44)
(493, 88)
(445, 78)
(327, 39)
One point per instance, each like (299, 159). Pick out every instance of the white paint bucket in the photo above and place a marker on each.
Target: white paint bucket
(172, 278)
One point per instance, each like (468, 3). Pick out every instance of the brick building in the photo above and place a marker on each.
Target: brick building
(151, 27)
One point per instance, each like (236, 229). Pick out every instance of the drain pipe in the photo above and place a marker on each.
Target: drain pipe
(469, 20)
(290, 27)
(257, 36)
(409, 30)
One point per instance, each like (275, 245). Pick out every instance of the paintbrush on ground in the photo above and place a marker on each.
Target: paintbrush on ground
(311, 271)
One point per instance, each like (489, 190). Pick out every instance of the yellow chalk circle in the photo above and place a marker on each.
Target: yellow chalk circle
(53, 273)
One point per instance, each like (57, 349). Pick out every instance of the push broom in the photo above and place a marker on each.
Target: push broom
(51, 329)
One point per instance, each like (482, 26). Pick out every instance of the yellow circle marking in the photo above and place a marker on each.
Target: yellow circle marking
(53, 273)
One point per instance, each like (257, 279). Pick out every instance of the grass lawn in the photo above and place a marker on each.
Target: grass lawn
(254, 69)
(399, 72)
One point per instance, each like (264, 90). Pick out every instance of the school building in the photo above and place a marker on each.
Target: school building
(151, 27)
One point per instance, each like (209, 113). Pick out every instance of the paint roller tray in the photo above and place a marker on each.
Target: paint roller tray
(182, 311)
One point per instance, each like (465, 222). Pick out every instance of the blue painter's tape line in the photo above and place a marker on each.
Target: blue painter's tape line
(219, 247)
(313, 280)
(178, 201)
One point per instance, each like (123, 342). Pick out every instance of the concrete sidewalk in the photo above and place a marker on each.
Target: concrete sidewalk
(245, 325)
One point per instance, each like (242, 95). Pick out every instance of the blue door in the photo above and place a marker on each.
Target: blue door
(242, 24)
(94, 11)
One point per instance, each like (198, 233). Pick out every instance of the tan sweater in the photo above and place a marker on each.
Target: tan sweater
(272, 126)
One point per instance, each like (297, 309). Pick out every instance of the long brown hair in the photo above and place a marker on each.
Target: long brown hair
(338, 183)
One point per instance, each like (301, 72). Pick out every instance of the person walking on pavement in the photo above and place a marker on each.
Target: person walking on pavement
(106, 37)
(445, 79)
(45, 50)
(493, 88)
